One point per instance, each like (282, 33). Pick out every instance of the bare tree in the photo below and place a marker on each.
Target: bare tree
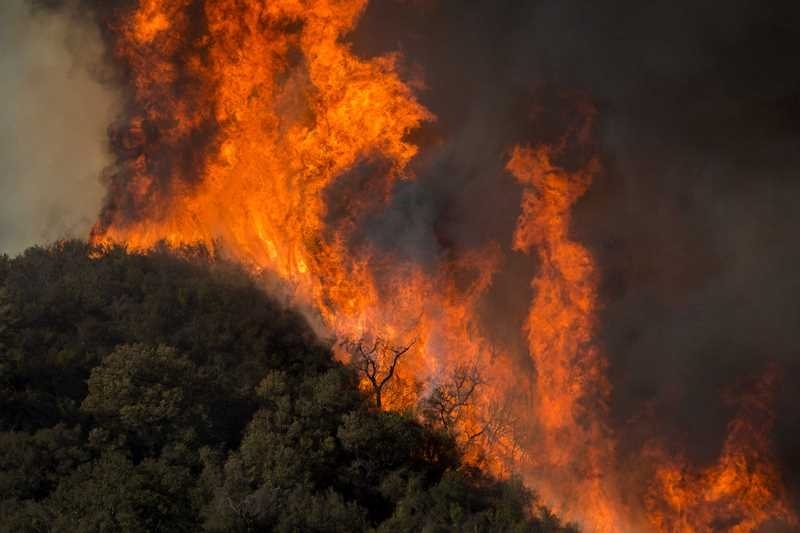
(482, 425)
(450, 399)
(376, 361)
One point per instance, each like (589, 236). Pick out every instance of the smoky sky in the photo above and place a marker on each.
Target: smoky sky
(694, 220)
(56, 109)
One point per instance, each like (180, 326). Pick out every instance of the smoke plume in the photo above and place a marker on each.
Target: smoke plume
(694, 217)
(57, 108)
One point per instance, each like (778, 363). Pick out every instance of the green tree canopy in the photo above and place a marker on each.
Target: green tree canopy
(167, 392)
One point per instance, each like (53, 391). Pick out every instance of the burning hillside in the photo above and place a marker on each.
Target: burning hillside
(260, 130)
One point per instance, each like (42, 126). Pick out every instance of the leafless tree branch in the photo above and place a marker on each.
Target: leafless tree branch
(377, 361)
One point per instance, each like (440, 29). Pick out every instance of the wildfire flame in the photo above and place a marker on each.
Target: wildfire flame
(576, 452)
(282, 111)
(244, 116)
(738, 493)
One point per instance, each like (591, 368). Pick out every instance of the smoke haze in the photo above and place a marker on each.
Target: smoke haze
(53, 140)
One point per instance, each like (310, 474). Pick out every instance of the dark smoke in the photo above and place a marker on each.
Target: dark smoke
(695, 218)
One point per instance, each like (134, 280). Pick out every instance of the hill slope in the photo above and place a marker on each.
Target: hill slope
(151, 393)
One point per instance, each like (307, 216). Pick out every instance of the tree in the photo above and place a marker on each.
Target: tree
(376, 361)
(477, 427)
(148, 394)
(113, 494)
(450, 400)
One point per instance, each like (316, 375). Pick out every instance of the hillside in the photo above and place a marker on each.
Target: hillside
(153, 393)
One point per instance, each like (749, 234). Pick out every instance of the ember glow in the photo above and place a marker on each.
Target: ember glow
(256, 131)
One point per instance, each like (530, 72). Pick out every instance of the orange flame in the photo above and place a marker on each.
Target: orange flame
(575, 456)
(290, 111)
(251, 113)
(739, 493)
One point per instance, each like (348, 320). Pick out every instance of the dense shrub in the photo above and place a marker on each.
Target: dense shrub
(157, 393)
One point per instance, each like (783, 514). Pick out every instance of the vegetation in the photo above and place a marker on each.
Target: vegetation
(152, 393)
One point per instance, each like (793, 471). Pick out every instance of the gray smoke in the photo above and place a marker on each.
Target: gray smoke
(53, 122)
